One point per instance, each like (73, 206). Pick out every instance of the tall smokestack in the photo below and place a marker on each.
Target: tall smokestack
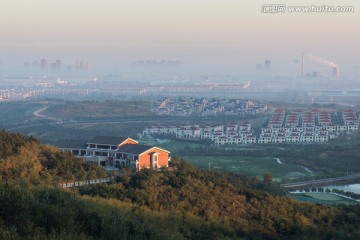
(302, 65)
(336, 72)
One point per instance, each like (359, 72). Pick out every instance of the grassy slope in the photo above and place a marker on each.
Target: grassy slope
(254, 166)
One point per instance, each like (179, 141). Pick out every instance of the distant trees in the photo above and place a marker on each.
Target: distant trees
(348, 194)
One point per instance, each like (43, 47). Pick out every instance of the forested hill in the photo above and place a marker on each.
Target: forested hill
(182, 203)
(24, 158)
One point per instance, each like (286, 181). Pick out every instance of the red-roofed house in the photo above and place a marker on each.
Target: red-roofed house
(118, 152)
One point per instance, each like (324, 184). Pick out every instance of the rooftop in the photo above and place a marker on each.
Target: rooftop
(74, 144)
(134, 148)
(107, 140)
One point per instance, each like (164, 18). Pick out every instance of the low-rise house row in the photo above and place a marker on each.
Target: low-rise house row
(207, 107)
(233, 134)
(307, 126)
(117, 152)
(298, 126)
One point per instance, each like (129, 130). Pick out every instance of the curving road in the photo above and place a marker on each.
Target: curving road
(37, 114)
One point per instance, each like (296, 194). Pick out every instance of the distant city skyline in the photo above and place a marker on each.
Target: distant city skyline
(214, 33)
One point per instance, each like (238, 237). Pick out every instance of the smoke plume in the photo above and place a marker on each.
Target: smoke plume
(327, 63)
(322, 61)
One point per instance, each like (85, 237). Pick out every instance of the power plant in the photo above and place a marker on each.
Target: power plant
(327, 63)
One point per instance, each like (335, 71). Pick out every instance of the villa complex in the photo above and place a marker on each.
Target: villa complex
(192, 106)
(117, 152)
(298, 126)
(218, 134)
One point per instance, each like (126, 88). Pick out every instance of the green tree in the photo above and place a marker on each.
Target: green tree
(267, 179)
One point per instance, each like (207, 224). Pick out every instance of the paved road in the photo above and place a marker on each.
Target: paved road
(37, 114)
(320, 181)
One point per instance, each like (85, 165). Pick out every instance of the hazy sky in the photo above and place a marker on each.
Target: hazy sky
(201, 30)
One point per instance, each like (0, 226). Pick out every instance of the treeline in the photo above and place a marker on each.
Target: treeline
(347, 194)
(44, 213)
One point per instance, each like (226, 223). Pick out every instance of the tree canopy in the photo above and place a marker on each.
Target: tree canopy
(181, 202)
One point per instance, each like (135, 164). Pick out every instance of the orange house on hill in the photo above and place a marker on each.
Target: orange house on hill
(117, 152)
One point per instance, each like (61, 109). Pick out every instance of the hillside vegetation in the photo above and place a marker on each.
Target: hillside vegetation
(24, 158)
(184, 203)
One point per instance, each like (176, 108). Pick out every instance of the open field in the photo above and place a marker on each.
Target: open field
(255, 166)
(15, 114)
(322, 198)
(73, 110)
(351, 143)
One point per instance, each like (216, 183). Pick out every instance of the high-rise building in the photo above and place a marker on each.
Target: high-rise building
(58, 64)
(82, 65)
(267, 64)
(43, 64)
